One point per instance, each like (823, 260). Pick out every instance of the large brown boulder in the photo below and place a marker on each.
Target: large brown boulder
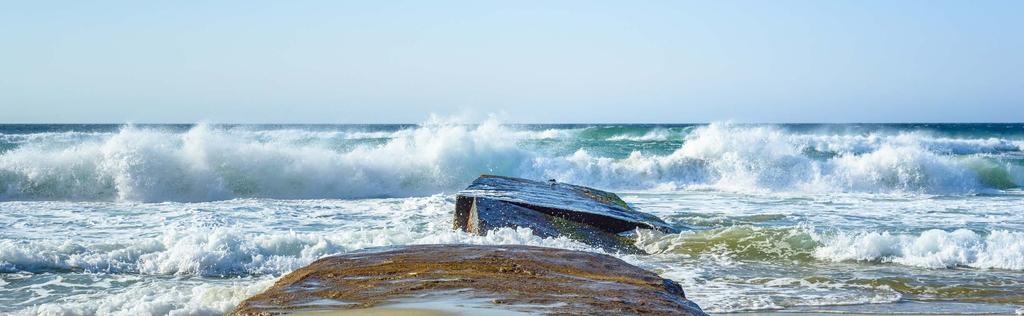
(552, 209)
(517, 278)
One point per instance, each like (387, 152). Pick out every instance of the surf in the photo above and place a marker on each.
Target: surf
(207, 162)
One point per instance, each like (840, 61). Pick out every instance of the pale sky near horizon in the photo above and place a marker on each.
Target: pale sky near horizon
(527, 61)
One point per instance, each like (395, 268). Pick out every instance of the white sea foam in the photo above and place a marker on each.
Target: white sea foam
(726, 294)
(257, 258)
(206, 163)
(51, 137)
(657, 134)
(158, 297)
(213, 163)
(202, 258)
(547, 134)
(302, 135)
(217, 252)
(930, 249)
(934, 249)
(860, 144)
(729, 157)
(178, 269)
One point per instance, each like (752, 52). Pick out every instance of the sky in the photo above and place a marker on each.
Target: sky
(523, 61)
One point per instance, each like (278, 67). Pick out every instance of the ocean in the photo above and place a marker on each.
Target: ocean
(191, 219)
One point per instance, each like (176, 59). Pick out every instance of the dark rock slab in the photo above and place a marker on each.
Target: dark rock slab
(551, 209)
(520, 278)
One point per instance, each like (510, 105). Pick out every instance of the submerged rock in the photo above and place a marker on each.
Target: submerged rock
(552, 209)
(508, 278)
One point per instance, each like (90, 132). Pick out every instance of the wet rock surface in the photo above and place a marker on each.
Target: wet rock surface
(521, 278)
(552, 209)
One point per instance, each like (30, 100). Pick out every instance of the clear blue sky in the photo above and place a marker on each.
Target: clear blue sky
(531, 61)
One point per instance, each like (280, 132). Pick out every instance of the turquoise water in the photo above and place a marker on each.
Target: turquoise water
(190, 219)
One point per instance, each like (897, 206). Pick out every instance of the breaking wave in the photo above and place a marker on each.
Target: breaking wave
(933, 249)
(208, 162)
(224, 252)
(930, 249)
(657, 134)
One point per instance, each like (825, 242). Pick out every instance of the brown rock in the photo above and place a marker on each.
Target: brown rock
(521, 278)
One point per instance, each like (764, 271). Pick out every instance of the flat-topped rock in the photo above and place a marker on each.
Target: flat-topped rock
(551, 209)
(500, 278)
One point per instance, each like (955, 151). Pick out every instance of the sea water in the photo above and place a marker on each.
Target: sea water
(191, 219)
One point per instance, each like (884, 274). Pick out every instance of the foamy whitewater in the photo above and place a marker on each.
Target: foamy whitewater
(191, 219)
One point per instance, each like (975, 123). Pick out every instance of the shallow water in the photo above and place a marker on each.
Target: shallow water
(187, 220)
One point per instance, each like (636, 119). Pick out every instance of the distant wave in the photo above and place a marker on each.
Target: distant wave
(657, 134)
(744, 158)
(211, 163)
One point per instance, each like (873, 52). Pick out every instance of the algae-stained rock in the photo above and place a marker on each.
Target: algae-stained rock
(486, 214)
(597, 208)
(551, 209)
(520, 278)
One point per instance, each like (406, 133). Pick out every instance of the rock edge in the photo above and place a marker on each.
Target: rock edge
(512, 277)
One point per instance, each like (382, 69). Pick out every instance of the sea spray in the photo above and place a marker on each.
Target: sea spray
(207, 163)
(211, 162)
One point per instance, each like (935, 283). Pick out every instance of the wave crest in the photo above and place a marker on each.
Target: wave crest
(212, 163)
(207, 163)
(931, 249)
(934, 249)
